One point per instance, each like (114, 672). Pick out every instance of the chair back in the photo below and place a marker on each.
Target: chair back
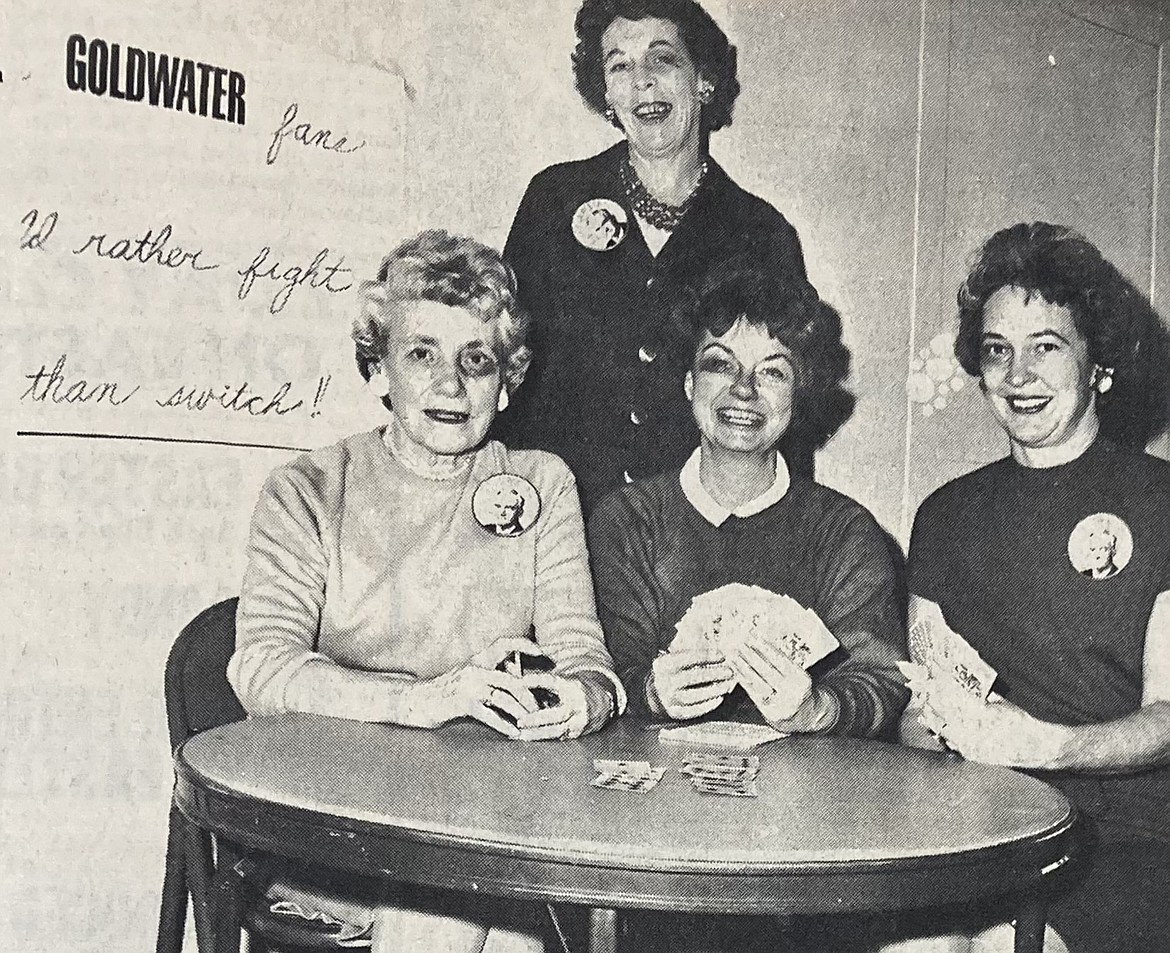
(198, 694)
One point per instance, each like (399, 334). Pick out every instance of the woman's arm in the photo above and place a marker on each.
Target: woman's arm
(275, 667)
(565, 614)
(619, 545)
(1000, 732)
(859, 604)
(1139, 740)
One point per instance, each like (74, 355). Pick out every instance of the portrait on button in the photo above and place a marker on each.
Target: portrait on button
(600, 224)
(1100, 546)
(506, 505)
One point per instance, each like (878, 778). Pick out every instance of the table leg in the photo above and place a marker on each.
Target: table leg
(603, 930)
(1030, 922)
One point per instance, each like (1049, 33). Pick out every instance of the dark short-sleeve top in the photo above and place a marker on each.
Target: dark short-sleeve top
(602, 392)
(997, 550)
(652, 552)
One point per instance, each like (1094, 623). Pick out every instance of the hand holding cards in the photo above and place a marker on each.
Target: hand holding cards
(769, 642)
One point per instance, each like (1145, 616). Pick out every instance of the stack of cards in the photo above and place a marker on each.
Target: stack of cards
(737, 735)
(625, 775)
(720, 621)
(733, 775)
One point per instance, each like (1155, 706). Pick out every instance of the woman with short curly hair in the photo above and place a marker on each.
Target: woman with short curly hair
(1120, 327)
(391, 574)
(764, 355)
(603, 246)
(1054, 563)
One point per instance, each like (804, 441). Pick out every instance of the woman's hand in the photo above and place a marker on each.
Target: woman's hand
(688, 683)
(782, 690)
(998, 731)
(581, 704)
(477, 690)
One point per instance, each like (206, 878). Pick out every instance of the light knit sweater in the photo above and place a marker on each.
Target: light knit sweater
(357, 563)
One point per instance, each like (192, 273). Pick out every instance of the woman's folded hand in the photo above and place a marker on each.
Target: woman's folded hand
(579, 704)
(688, 683)
(477, 689)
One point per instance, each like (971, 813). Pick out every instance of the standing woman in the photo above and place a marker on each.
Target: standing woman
(601, 246)
(1054, 563)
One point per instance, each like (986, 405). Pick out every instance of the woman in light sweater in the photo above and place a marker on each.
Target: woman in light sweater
(381, 583)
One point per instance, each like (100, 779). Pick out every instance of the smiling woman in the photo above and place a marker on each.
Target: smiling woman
(391, 575)
(603, 247)
(1054, 563)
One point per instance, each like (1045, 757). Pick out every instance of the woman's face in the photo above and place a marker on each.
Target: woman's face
(741, 389)
(443, 374)
(652, 84)
(1036, 369)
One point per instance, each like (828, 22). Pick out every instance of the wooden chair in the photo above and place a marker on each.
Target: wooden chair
(198, 697)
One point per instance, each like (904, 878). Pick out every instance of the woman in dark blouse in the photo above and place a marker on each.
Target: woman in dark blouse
(602, 246)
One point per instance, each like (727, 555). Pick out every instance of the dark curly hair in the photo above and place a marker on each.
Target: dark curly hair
(1119, 325)
(793, 314)
(707, 44)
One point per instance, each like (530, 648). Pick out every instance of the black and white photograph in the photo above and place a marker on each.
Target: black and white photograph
(585, 476)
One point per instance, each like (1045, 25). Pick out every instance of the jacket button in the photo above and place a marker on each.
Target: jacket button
(645, 356)
(635, 417)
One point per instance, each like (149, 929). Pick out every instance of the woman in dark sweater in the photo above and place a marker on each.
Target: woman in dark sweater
(765, 359)
(602, 246)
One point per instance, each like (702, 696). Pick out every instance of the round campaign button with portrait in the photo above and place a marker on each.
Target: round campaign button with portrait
(600, 224)
(1100, 546)
(506, 504)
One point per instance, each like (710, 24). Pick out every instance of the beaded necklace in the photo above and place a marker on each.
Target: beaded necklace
(651, 209)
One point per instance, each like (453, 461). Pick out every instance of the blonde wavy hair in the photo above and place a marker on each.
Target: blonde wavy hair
(452, 270)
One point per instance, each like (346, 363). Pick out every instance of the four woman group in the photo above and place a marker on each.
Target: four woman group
(682, 370)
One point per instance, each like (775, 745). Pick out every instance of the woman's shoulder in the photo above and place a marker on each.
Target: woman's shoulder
(575, 173)
(325, 467)
(544, 470)
(650, 501)
(823, 505)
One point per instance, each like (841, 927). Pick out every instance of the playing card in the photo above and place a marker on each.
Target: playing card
(947, 654)
(744, 787)
(621, 780)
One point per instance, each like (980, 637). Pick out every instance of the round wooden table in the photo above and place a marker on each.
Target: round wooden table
(839, 824)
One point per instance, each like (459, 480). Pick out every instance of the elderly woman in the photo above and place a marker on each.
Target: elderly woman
(765, 358)
(603, 245)
(376, 589)
(1054, 563)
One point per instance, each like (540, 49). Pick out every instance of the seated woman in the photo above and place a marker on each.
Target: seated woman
(765, 356)
(383, 583)
(1054, 563)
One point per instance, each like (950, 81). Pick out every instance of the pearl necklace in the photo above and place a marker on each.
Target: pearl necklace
(653, 210)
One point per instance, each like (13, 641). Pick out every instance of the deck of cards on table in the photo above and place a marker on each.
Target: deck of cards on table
(733, 775)
(725, 620)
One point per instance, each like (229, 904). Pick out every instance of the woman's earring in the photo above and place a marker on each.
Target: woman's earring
(379, 385)
(1104, 379)
(502, 403)
(706, 92)
(611, 115)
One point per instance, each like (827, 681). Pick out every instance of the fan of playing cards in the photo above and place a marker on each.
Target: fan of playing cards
(943, 661)
(724, 619)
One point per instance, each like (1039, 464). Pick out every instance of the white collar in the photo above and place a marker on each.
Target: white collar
(715, 512)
